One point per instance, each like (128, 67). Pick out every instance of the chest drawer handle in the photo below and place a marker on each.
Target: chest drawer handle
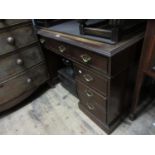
(90, 107)
(19, 61)
(62, 48)
(89, 93)
(29, 80)
(85, 58)
(88, 78)
(11, 40)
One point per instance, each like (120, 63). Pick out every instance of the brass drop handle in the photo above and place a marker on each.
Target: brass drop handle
(89, 93)
(62, 48)
(86, 58)
(87, 78)
(11, 40)
(29, 80)
(42, 41)
(19, 61)
(80, 71)
(90, 107)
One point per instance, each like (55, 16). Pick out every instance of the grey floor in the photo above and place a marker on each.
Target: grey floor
(56, 111)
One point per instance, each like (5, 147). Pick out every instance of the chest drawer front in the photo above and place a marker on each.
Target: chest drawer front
(23, 83)
(18, 62)
(16, 38)
(24, 35)
(92, 101)
(91, 79)
(9, 22)
(5, 46)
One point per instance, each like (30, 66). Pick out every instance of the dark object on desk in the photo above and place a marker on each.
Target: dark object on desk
(47, 22)
(146, 67)
(113, 29)
(71, 27)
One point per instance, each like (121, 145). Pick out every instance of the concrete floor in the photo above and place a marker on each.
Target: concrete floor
(55, 111)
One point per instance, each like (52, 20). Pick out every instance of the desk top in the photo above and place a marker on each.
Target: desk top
(68, 32)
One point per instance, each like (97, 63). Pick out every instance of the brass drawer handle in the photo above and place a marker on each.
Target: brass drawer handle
(62, 48)
(90, 107)
(19, 61)
(11, 40)
(80, 71)
(89, 93)
(86, 58)
(42, 41)
(88, 78)
(29, 80)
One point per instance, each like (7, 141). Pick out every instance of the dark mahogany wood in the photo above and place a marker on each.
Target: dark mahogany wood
(104, 73)
(88, 77)
(94, 46)
(92, 101)
(147, 62)
(22, 68)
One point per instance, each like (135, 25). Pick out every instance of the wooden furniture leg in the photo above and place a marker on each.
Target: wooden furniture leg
(137, 91)
(147, 61)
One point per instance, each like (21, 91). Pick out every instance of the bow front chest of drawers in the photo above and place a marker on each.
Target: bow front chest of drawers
(104, 73)
(22, 67)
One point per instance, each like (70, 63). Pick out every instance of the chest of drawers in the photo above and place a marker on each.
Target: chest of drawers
(104, 73)
(22, 67)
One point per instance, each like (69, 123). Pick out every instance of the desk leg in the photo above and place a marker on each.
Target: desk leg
(137, 91)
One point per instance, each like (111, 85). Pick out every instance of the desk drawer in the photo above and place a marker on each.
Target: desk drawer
(89, 59)
(18, 85)
(83, 56)
(92, 101)
(9, 22)
(19, 61)
(15, 38)
(56, 46)
(91, 79)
